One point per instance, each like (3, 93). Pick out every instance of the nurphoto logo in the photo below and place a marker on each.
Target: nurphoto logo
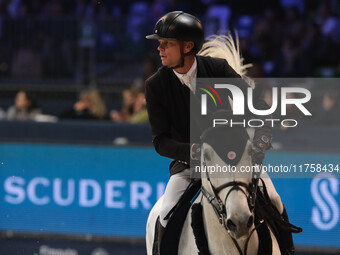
(238, 105)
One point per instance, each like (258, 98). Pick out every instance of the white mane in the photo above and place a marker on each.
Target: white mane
(224, 46)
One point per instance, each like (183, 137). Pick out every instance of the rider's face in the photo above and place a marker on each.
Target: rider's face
(170, 53)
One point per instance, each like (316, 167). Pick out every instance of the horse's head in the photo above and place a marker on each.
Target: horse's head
(226, 179)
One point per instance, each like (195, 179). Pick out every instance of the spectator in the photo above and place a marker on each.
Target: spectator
(288, 62)
(293, 24)
(299, 5)
(336, 31)
(292, 113)
(129, 99)
(53, 8)
(90, 106)
(140, 114)
(149, 68)
(324, 19)
(268, 96)
(313, 46)
(24, 108)
(329, 115)
(26, 63)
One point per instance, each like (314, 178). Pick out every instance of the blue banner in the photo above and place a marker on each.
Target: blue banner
(109, 191)
(79, 189)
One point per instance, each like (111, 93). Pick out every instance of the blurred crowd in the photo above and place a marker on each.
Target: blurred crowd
(89, 106)
(67, 38)
(89, 40)
(324, 106)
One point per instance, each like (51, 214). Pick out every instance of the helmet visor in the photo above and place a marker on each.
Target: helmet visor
(157, 37)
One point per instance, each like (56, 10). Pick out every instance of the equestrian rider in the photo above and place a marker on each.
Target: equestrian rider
(181, 36)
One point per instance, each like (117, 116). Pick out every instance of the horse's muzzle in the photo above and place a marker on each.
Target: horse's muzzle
(240, 228)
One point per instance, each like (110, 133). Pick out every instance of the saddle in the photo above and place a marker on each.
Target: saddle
(178, 215)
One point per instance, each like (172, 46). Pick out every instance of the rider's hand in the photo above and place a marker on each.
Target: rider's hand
(195, 152)
(258, 151)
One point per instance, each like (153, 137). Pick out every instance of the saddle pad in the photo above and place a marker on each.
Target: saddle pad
(171, 236)
(198, 230)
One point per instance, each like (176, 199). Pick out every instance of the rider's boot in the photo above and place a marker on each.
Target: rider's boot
(159, 231)
(286, 238)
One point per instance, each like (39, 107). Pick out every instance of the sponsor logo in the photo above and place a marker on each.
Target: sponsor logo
(325, 213)
(42, 191)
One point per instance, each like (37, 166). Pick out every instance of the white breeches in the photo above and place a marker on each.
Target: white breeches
(174, 190)
(179, 182)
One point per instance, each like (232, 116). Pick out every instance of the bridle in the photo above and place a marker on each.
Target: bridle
(218, 206)
(216, 201)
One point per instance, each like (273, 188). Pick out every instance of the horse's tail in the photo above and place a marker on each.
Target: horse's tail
(224, 46)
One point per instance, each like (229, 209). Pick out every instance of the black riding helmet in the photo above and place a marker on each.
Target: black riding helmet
(178, 25)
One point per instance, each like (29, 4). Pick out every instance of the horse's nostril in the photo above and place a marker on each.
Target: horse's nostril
(231, 225)
(250, 221)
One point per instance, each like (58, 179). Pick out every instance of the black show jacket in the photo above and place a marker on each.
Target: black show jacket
(168, 105)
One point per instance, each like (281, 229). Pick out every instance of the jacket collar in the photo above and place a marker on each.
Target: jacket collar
(201, 69)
